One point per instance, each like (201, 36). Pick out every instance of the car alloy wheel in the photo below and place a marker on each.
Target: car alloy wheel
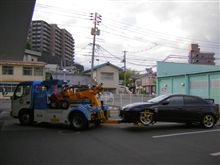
(208, 121)
(146, 117)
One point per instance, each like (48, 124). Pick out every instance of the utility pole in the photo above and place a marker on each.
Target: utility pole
(124, 60)
(97, 18)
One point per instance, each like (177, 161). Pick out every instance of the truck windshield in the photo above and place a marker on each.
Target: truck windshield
(22, 90)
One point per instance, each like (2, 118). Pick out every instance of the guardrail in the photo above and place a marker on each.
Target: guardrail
(120, 100)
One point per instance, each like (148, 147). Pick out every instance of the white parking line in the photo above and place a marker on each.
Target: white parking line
(215, 154)
(185, 133)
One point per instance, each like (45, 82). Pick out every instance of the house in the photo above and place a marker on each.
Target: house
(108, 74)
(190, 79)
(13, 72)
(145, 83)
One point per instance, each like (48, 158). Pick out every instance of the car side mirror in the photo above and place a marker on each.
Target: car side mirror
(165, 102)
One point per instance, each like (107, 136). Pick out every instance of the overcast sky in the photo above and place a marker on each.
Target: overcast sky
(148, 30)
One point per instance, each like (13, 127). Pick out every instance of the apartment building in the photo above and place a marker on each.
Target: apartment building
(56, 45)
(198, 57)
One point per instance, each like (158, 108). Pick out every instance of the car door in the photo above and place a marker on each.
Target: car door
(170, 109)
(193, 108)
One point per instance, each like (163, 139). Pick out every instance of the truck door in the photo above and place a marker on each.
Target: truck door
(22, 98)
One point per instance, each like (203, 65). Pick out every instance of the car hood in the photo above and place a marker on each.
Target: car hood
(138, 105)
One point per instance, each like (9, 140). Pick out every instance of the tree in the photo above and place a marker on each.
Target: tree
(129, 76)
(28, 45)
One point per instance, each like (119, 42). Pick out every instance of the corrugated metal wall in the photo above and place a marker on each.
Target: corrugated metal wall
(206, 85)
(214, 89)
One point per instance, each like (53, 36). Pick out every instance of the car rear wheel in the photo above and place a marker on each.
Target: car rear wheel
(208, 121)
(146, 118)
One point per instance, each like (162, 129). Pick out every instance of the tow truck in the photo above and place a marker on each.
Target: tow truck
(50, 101)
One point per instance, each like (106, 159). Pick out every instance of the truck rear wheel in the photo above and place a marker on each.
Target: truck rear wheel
(25, 117)
(78, 121)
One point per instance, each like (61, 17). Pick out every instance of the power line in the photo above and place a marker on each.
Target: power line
(124, 26)
(166, 43)
(79, 13)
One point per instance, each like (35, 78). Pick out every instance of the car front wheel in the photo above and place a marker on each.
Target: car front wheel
(146, 117)
(208, 121)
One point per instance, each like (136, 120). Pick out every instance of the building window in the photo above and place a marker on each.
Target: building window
(38, 71)
(7, 70)
(27, 71)
(107, 76)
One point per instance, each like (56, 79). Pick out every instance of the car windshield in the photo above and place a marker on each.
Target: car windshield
(158, 99)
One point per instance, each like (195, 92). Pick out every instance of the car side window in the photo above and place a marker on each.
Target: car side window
(188, 100)
(175, 100)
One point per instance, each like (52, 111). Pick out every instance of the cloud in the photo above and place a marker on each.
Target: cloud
(147, 29)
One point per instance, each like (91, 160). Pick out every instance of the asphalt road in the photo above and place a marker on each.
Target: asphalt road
(5, 105)
(123, 144)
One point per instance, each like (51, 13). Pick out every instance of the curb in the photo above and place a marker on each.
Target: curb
(112, 121)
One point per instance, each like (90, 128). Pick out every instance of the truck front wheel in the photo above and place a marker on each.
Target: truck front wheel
(25, 117)
(78, 121)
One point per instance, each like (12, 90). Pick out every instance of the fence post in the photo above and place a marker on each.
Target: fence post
(121, 99)
(130, 98)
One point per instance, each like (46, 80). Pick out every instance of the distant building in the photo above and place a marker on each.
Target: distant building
(73, 79)
(30, 55)
(108, 74)
(197, 57)
(146, 83)
(55, 44)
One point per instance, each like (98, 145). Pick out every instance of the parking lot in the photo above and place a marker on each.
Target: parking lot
(162, 143)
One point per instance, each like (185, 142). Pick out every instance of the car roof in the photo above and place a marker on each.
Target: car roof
(169, 95)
